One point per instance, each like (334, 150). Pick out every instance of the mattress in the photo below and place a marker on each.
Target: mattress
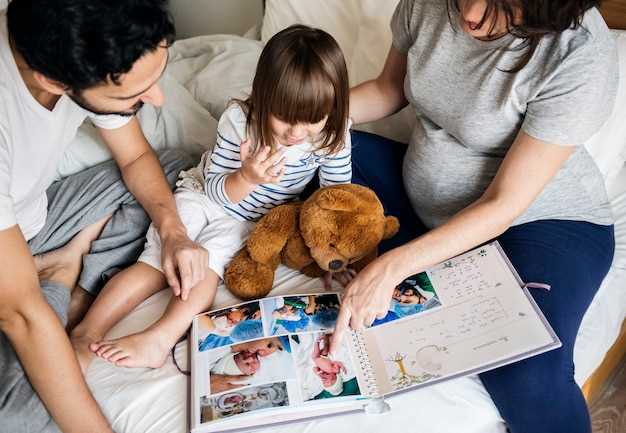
(156, 401)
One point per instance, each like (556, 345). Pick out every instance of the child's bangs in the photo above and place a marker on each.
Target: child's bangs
(302, 97)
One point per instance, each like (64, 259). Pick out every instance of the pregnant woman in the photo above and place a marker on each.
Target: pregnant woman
(505, 92)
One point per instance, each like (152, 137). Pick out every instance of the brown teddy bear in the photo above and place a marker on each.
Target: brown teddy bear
(337, 226)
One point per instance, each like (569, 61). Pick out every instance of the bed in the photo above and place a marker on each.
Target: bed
(204, 73)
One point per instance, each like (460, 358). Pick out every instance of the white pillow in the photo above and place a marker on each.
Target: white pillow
(203, 74)
(608, 145)
(361, 28)
(340, 18)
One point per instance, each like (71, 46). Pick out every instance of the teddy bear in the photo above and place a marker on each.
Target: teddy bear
(336, 227)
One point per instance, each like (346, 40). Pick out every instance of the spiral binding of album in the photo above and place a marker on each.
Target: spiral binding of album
(358, 345)
(377, 404)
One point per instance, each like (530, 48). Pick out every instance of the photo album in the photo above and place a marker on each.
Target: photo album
(267, 361)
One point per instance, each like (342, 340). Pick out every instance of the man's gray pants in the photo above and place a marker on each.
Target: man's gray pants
(73, 204)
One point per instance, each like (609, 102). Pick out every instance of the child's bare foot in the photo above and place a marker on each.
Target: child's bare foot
(84, 354)
(145, 349)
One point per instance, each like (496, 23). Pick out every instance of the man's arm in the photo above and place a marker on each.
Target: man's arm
(183, 261)
(41, 343)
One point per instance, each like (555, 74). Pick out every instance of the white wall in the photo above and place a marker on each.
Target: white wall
(201, 17)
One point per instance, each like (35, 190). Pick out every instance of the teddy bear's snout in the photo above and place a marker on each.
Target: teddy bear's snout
(335, 265)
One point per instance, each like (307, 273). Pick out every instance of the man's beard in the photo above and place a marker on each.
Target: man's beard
(82, 103)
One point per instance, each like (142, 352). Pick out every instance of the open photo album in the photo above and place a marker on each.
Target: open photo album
(267, 361)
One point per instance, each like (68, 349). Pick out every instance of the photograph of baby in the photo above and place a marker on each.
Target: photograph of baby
(321, 376)
(250, 363)
(291, 314)
(243, 401)
(230, 326)
(413, 296)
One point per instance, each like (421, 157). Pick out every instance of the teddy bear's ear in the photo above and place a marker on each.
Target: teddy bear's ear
(337, 200)
(392, 225)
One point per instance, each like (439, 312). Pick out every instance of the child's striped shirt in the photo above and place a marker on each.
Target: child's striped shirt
(300, 166)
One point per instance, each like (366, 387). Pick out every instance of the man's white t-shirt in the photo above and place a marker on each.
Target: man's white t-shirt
(32, 142)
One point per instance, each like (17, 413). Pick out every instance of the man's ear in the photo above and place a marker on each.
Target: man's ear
(49, 85)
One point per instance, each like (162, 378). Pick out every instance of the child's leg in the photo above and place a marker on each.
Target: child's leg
(118, 298)
(222, 236)
(151, 347)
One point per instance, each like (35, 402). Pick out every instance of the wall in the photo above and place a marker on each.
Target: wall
(201, 17)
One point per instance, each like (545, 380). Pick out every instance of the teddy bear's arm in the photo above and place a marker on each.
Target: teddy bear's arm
(272, 231)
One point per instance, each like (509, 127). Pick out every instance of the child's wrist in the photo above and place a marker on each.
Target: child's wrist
(242, 178)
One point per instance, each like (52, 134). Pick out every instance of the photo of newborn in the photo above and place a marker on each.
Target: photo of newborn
(292, 314)
(243, 401)
(250, 363)
(230, 326)
(413, 296)
(321, 376)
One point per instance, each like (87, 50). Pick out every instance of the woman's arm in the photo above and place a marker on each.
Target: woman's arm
(382, 96)
(527, 168)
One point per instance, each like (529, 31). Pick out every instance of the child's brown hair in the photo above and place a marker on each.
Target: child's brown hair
(301, 77)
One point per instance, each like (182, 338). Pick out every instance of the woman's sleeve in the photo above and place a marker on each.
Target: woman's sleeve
(578, 98)
(225, 158)
(403, 34)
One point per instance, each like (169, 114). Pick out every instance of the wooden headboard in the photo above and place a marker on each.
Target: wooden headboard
(614, 12)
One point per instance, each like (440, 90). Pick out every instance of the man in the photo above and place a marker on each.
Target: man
(62, 61)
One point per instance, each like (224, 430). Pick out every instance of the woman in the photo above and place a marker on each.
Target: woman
(506, 92)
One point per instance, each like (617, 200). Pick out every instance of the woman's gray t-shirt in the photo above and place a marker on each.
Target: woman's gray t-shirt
(470, 111)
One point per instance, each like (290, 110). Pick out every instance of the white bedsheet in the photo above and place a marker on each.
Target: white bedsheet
(155, 401)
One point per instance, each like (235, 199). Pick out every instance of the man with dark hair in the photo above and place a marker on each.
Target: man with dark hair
(62, 61)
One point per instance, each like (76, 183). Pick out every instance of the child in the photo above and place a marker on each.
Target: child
(268, 148)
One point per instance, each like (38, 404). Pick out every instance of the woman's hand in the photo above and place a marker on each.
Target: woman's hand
(366, 298)
(261, 166)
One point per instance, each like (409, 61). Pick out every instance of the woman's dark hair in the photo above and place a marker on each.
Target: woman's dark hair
(81, 43)
(538, 18)
(301, 77)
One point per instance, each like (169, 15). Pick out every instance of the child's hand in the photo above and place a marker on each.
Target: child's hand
(343, 278)
(260, 166)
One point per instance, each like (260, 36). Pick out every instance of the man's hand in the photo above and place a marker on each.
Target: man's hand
(184, 262)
